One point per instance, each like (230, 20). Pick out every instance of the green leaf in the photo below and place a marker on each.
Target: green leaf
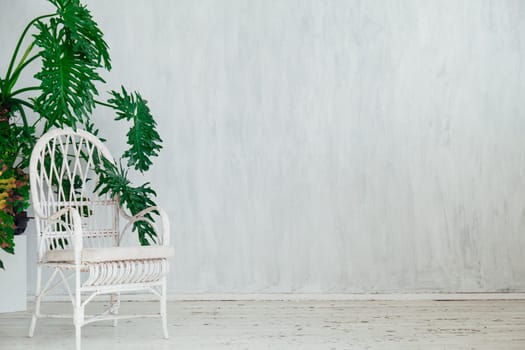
(7, 231)
(83, 32)
(113, 180)
(143, 138)
(72, 50)
(66, 80)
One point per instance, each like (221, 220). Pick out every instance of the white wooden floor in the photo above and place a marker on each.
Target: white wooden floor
(288, 325)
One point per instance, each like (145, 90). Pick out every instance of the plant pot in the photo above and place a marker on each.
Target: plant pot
(21, 220)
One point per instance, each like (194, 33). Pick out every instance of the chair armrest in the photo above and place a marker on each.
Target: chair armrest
(76, 230)
(164, 223)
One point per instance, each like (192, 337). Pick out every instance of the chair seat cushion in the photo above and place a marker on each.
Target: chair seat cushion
(111, 254)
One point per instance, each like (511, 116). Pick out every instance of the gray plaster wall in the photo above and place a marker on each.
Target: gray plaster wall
(328, 146)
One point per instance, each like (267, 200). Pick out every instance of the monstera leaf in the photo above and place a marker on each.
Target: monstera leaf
(83, 32)
(72, 50)
(143, 138)
(113, 179)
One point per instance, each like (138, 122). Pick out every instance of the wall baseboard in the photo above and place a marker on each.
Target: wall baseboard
(316, 297)
(351, 297)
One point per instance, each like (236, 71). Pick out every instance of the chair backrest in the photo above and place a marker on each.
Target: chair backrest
(62, 174)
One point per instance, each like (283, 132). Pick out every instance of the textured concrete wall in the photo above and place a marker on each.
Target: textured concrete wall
(330, 146)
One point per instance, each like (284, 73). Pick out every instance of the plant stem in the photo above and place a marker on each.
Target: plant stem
(104, 104)
(20, 40)
(22, 102)
(32, 88)
(36, 121)
(20, 67)
(26, 53)
(23, 115)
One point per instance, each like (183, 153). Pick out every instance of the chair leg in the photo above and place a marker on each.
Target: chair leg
(114, 305)
(38, 298)
(78, 310)
(163, 311)
(77, 336)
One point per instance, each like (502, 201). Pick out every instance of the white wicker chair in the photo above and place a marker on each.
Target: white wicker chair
(79, 236)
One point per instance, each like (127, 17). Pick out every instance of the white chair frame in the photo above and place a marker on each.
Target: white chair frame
(58, 217)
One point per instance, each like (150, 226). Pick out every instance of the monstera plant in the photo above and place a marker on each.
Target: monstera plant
(70, 53)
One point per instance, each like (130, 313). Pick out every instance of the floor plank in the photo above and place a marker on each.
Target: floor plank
(307, 325)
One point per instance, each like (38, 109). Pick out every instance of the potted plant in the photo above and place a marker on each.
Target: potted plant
(71, 54)
(14, 188)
